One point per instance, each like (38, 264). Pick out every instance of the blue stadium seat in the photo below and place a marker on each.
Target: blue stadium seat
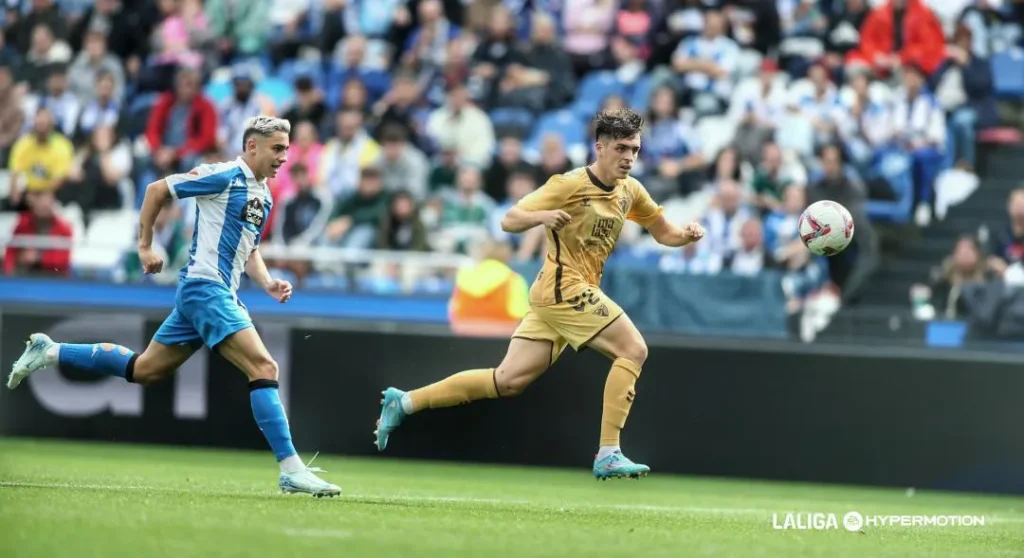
(380, 285)
(285, 275)
(945, 334)
(594, 88)
(897, 169)
(138, 115)
(377, 83)
(281, 92)
(263, 62)
(218, 91)
(565, 123)
(327, 281)
(434, 286)
(640, 94)
(511, 119)
(1008, 73)
(290, 70)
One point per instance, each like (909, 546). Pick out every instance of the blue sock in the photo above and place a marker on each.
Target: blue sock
(102, 358)
(269, 413)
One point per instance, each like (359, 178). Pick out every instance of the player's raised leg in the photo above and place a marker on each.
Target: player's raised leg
(622, 342)
(524, 362)
(246, 351)
(153, 365)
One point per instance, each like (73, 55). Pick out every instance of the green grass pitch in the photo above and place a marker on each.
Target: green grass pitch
(98, 500)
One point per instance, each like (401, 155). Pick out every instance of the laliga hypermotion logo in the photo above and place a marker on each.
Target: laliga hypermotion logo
(855, 521)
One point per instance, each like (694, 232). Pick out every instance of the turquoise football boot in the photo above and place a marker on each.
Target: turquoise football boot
(616, 465)
(391, 415)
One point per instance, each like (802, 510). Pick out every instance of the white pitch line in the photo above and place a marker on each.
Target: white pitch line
(326, 533)
(381, 498)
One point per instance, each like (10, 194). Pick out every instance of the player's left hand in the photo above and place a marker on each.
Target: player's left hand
(694, 232)
(280, 290)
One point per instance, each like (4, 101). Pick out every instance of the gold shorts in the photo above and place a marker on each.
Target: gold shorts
(574, 321)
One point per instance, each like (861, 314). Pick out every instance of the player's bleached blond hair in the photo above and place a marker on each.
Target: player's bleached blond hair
(264, 126)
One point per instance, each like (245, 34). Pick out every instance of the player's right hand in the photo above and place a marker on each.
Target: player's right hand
(151, 263)
(555, 219)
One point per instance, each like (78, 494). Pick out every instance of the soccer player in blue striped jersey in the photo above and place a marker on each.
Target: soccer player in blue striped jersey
(232, 205)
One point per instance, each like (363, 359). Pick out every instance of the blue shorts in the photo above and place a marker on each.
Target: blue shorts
(205, 313)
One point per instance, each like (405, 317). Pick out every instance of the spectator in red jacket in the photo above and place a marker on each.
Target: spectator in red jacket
(182, 125)
(898, 33)
(42, 221)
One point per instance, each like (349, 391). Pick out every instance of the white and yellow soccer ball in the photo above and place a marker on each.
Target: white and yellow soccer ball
(826, 228)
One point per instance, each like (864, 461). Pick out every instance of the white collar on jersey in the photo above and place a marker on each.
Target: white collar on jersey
(248, 172)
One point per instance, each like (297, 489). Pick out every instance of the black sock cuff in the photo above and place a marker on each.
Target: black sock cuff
(261, 384)
(129, 372)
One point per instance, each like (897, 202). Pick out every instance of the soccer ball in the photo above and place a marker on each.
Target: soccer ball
(826, 228)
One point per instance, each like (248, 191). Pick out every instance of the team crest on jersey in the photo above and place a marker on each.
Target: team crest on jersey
(585, 202)
(623, 204)
(253, 214)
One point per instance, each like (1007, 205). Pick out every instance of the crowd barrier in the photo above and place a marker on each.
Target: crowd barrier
(753, 409)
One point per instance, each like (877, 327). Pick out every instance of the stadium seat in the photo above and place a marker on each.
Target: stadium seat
(593, 89)
(945, 334)
(107, 230)
(134, 124)
(511, 120)
(1008, 74)
(281, 92)
(73, 214)
(290, 70)
(896, 168)
(218, 91)
(327, 281)
(380, 285)
(434, 285)
(715, 132)
(88, 261)
(564, 123)
(748, 63)
(8, 219)
(640, 94)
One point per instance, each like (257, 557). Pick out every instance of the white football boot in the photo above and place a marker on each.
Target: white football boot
(34, 358)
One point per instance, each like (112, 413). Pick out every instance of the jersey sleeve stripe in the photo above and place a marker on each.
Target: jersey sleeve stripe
(195, 183)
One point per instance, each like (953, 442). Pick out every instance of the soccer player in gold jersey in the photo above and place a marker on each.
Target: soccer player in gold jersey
(583, 211)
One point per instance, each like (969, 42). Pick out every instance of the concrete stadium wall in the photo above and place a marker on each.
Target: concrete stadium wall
(774, 412)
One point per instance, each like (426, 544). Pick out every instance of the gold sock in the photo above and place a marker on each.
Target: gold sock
(457, 389)
(619, 391)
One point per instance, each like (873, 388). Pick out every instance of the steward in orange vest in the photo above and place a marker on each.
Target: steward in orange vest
(489, 297)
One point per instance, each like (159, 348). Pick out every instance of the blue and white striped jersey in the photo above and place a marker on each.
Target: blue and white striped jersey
(232, 208)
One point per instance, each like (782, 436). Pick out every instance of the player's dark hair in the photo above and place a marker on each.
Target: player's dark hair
(617, 124)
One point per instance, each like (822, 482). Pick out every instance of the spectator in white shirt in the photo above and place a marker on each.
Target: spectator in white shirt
(707, 63)
(822, 106)
(920, 128)
(866, 126)
(461, 124)
(724, 220)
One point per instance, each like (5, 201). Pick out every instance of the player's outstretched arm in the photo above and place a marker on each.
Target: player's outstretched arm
(257, 270)
(519, 220)
(157, 196)
(668, 234)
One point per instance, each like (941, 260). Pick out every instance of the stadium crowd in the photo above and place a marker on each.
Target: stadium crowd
(417, 123)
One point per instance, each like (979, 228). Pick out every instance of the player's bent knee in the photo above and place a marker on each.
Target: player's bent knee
(149, 371)
(511, 383)
(636, 352)
(263, 369)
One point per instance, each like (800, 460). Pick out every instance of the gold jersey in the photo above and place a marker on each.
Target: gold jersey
(576, 254)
